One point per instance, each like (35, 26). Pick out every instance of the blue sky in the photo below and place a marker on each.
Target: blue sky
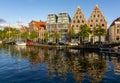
(26, 10)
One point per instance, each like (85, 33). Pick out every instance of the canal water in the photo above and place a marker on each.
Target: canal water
(21, 64)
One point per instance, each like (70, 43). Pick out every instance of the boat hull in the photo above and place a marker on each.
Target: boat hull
(21, 43)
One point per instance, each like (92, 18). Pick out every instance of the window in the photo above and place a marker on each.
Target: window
(91, 25)
(74, 21)
(117, 38)
(76, 16)
(118, 31)
(82, 21)
(96, 20)
(100, 20)
(103, 25)
(94, 16)
(76, 25)
(72, 25)
(80, 16)
(98, 15)
(78, 21)
(91, 20)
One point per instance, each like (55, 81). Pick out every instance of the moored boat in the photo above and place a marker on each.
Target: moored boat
(21, 43)
(10, 43)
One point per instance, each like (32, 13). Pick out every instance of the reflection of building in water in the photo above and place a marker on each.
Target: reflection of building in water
(59, 64)
(56, 63)
(116, 66)
(77, 70)
(35, 57)
(92, 57)
(97, 67)
(79, 76)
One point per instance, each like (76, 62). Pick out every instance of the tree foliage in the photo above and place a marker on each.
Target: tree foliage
(99, 31)
(46, 36)
(71, 33)
(84, 31)
(56, 36)
(8, 32)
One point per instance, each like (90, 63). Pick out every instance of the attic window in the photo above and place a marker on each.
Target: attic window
(74, 21)
(76, 16)
(91, 20)
(78, 21)
(82, 21)
(98, 15)
(103, 25)
(96, 20)
(76, 25)
(90, 25)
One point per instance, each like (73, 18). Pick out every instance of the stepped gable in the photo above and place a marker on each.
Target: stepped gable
(113, 23)
(78, 19)
(97, 18)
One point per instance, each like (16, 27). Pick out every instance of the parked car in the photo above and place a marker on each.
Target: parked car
(50, 43)
(61, 43)
(98, 42)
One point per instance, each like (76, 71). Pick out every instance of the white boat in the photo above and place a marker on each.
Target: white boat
(21, 43)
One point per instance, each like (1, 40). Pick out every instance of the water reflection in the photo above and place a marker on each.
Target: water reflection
(80, 65)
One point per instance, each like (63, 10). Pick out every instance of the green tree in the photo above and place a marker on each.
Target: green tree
(99, 31)
(25, 35)
(71, 33)
(2, 34)
(56, 36)
(33, 35)
(84, 32)
(9, 32)
(46, 37)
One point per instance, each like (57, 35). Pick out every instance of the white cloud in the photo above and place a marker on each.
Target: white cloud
(2, 25)
(2, 21)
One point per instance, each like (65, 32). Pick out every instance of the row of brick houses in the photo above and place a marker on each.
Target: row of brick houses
(63, 22)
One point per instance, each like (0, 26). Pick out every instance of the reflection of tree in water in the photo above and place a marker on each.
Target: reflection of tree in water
(56, 64)
(59, 64)
(88, 63)
(97, 70)
(35, 57)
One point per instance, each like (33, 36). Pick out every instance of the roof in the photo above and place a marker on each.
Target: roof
(39, 24)
(113, 23)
